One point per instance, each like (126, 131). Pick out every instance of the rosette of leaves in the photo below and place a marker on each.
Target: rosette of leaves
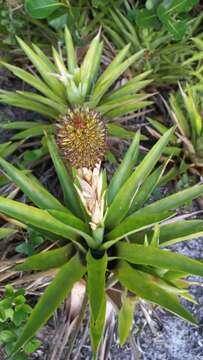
(162, 55)
(62, 86)
(117, 254)
(186, 112)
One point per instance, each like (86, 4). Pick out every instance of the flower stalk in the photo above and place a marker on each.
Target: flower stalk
(92, 195)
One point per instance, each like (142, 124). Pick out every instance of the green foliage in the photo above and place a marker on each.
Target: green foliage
(40, 9)
(169, 14)
(125, 318)
(50, 260)
(29, 246)
(89, 252)
(96, 272)
(152, 288)
(11, 22)
(54, 295)
(14, 20)
(162, 54)
(186, 112)
(14, 312)
(124, 198)
(196, 61)
(53, 9)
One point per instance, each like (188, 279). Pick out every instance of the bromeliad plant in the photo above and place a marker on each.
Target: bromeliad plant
(107, 234)
(60, 87)
(186, 112)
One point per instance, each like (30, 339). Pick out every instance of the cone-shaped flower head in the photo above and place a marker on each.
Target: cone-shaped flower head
(81, 137)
